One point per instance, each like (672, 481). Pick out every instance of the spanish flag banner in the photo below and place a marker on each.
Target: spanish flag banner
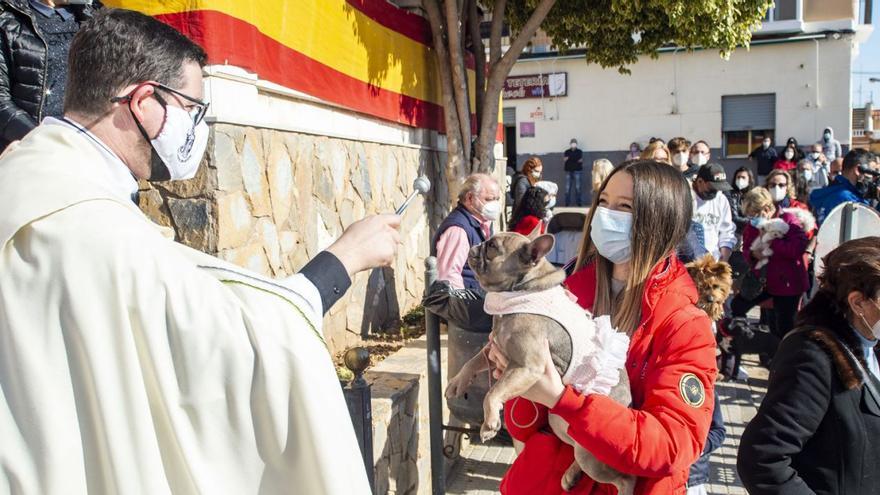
(365, 55)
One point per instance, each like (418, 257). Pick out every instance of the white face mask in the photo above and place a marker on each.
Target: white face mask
(789, 155)
(610, 232)
(815, 155)
(875, 328)
(699, 159)
(680, 159)
(778, 193)
(179, 145)
(766, 144)
(536, 174)
(491, 210)
(742, 183)
(808, 175)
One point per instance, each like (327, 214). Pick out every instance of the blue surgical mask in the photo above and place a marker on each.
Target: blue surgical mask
(610, 232)
(756, 221)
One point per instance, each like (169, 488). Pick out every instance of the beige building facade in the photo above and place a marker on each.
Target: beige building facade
(793, 81)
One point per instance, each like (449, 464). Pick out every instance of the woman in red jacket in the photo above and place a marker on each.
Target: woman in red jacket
(627, 269)
(529, 216)
(788, 161)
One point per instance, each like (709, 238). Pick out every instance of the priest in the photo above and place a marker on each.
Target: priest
(130, 363)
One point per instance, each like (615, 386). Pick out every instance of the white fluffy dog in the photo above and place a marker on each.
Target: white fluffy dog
(776, 228)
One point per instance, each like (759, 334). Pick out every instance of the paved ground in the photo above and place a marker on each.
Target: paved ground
(482, 466)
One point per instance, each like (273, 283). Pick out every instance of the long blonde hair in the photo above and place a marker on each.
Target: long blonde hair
(648, 152)
(601, 168)
(662, 209)
(789, 181)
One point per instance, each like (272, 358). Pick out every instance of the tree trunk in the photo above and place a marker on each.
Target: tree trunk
(479, 52)
(461, 94)
(455, 159)
(449, 34)
(498, 72)
(496, 31)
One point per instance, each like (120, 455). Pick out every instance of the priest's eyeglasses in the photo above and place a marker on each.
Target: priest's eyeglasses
(195, 107)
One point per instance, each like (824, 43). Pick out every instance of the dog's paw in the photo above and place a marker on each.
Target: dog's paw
(727, 344)
(457, 386)
(571, 479)
(489, 429)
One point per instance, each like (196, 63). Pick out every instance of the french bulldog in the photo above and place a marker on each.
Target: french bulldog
(511, 263)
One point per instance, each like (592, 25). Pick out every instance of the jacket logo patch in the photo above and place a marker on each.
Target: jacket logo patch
(691, 389)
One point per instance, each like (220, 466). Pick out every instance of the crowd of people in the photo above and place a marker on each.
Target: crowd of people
(669, 204)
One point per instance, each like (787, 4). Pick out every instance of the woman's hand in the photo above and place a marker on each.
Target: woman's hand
(547, 390)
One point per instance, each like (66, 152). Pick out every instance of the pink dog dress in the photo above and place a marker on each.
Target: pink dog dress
(598, 350)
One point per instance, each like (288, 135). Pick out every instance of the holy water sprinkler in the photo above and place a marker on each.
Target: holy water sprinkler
(421, 186)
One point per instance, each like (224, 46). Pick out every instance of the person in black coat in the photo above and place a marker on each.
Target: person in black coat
(34, 42)
(765, 156)
(743, 181)
(818, 428)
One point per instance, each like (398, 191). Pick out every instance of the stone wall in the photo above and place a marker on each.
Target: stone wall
(401, 432)
(270, 200)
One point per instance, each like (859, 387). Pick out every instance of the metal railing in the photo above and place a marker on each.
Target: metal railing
(435, 397)
(358, 397)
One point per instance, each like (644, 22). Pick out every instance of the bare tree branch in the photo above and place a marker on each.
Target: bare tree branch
(495, 32)
(459, 74)
(525, 35)
(497, 74)
(453, 128)
(479, 50)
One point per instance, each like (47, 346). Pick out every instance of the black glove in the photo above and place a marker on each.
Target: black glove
(460, 307)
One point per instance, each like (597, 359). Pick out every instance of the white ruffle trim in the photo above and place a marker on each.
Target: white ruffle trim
(599, 372)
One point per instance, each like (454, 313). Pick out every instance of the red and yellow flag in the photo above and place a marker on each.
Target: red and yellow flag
(365, 55)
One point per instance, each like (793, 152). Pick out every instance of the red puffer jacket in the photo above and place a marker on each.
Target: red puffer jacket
(671, 368)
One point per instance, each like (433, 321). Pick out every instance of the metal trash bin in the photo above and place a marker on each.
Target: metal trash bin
(462, 345)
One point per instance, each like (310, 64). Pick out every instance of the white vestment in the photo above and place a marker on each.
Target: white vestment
(132, 364)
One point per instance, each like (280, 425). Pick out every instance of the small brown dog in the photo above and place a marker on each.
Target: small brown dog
(714, 280)
(525, 296)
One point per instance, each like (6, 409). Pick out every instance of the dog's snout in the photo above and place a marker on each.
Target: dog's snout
(711, 299)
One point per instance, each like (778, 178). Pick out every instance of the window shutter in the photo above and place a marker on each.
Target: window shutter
(748, 112)
(510, 116)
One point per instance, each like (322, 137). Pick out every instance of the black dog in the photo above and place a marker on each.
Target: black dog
(736, 336)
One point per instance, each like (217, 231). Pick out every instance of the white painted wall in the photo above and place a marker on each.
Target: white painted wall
(680, 94)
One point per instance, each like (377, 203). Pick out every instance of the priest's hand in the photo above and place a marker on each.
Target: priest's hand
(368, 243)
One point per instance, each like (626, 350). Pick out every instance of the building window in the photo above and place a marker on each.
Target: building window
(784, 10)
(745, 121)
(738, 144)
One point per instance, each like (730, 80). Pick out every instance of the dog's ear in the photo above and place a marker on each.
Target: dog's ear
(539, 247)
(534, 235)
(722, 269)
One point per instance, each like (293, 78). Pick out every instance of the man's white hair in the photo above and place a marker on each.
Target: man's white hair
(474, 183)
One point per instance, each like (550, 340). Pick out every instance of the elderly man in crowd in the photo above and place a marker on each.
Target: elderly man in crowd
(469, 224)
